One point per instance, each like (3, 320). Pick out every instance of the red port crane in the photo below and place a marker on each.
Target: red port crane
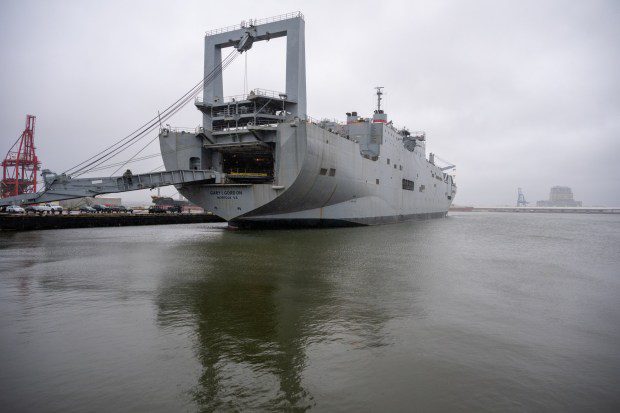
(20, 166)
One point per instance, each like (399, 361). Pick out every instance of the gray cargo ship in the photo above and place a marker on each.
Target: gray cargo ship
(259, 160)
(275, 166)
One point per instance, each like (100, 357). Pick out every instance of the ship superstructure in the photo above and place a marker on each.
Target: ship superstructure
(272, 165)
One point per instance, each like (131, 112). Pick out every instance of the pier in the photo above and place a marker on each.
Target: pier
(38, 222)
(547, 210)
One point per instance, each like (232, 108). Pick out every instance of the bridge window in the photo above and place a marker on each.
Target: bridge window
(408, 185)
(323, 171)
(332, 172)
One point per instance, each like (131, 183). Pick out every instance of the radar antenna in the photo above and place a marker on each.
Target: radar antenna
(379, 93)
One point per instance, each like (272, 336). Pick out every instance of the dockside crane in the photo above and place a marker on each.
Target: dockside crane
(20, 165)
(521, 202)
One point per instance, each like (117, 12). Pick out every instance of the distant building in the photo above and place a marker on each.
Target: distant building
(560, 196)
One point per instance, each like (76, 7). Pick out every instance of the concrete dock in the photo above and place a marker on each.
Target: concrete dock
(38, 222)
(547, 210)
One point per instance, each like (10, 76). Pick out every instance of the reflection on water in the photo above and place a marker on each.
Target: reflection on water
(475, 312)
(259, 299)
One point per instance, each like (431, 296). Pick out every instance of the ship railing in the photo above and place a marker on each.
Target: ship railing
(255, 22)
(400, 130)
(259, 122)
(331, 125)
(413, 133)
(274, 122)
(322, 121)
(185, 129)
(273, 94)
(395, 128)
(269, 93)
(310, 119)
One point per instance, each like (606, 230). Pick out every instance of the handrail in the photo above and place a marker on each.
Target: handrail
(259, 122)
(255, 22)
(398, 130)
(310, 119)
(254, 92)
(185, 129)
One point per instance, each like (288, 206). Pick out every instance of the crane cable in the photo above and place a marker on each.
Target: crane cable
(142, 158)
(150, 125)
(140, 133)
(134, 155)
(170, 111)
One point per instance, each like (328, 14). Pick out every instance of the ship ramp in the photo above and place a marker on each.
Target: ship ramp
(62, 186)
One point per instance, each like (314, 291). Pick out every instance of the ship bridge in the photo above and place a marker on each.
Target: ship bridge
(218, 110)
(239, 133)
(234, 114)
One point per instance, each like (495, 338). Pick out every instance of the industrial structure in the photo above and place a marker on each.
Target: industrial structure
(20, 165)
(521, 202)
(560, 196)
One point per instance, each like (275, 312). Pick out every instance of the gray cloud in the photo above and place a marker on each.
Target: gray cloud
(516, 93)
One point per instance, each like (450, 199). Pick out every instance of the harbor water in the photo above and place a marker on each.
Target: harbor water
(475, 312)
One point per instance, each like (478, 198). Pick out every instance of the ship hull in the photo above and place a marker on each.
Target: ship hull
(273, 166)
(322, 180)
(285, 223)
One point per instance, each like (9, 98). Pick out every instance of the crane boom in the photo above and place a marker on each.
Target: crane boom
(59, 187)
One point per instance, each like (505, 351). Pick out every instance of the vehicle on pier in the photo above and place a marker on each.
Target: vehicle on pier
(101, 208)
(56, 209)
(15, 209)
(120, 209)
(163, 209)
(39, 209)
(85, 209)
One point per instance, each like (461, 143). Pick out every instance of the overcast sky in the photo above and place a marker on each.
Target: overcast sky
(516, 93)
